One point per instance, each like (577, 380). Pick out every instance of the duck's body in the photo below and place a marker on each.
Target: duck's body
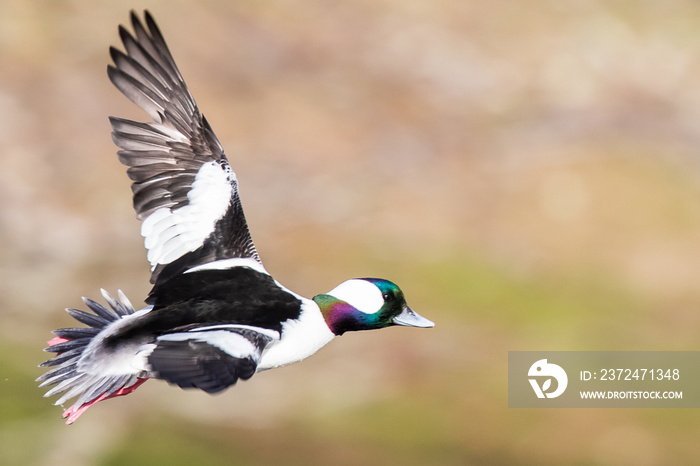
(214, 314)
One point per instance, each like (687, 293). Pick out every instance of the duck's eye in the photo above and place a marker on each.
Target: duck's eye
(388, 295)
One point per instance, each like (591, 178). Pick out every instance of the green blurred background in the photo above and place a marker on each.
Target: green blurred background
(528, 172)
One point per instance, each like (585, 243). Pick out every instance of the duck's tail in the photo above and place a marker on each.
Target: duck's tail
(80, 368)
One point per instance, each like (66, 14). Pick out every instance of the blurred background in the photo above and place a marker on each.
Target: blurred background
(528, 172)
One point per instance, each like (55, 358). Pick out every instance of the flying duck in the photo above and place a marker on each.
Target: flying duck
(214, 314)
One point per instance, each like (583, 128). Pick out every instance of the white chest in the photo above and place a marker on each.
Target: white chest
(300, 338)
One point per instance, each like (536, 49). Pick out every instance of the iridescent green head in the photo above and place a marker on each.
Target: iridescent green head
(366, 304)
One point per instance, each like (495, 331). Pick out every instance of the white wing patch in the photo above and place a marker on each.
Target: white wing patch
(271, 334)
(232, 343)
(169, 234)
(224, 264)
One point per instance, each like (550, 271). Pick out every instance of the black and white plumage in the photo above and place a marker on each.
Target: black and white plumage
(184, 188)
(214, 314)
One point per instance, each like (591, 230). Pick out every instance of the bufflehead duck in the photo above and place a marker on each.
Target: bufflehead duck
(214, 314)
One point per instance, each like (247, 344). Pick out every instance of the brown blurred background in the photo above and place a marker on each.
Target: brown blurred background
(528, 172)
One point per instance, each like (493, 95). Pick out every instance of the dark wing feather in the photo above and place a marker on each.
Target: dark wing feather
(209, 360)
(168, 155)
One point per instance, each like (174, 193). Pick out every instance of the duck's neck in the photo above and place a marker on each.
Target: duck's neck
(341, 316)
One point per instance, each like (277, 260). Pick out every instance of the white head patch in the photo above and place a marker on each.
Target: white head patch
(360, 294)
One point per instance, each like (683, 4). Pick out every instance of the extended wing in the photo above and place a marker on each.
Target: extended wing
(185, 191)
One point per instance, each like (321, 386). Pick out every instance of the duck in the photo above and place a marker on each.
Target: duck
(214, 315)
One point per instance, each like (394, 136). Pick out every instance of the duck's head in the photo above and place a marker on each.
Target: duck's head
(366, 304)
